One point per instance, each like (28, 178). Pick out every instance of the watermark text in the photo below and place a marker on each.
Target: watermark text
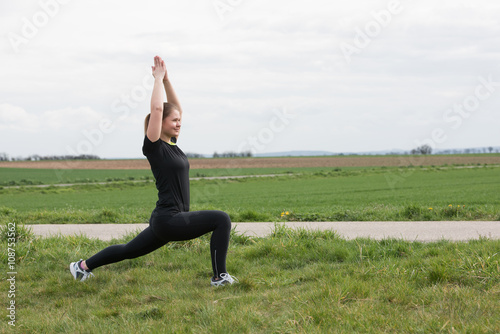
(11, 273)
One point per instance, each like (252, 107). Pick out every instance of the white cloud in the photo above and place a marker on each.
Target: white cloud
(16, 118)
(70, 118)
(67, 119)
(231, 73)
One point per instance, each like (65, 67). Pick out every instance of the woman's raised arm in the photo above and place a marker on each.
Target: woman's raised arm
(171, 96)
(155, 120)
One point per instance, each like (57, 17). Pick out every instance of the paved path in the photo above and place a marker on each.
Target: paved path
(412, 231)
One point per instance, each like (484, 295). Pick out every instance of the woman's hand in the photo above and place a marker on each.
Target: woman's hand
(165, 78)
(159, 69)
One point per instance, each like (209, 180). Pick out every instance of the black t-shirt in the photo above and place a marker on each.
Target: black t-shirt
(170, 168)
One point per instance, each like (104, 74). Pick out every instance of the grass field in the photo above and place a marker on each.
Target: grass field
(290, 282)
(29, 176)
(334, 194)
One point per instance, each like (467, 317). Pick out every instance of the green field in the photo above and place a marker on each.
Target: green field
(291, 282)
(294, 281)
(30, 176)
(351, 194)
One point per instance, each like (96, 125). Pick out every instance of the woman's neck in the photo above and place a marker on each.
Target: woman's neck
(165, 138)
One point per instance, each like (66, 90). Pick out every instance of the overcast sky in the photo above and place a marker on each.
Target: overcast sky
(265, 76)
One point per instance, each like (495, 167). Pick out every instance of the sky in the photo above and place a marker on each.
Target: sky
(259, 76)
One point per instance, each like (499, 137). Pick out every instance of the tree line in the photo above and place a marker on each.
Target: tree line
(36, 157)
(247, 154)
(426, 149)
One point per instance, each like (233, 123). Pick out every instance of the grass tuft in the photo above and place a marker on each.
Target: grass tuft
(10, 228)
(292, 281)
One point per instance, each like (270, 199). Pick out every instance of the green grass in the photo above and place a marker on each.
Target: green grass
(362, 195)
(291, 282)
(325, 195)
(30, 176)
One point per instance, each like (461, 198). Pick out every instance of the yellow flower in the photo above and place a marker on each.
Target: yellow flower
(430, 208)
(450, 205)
(287, 213)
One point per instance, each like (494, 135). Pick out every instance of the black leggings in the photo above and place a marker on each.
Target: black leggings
(165, 228)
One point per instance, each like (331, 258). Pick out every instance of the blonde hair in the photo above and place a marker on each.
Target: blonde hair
(167, 110)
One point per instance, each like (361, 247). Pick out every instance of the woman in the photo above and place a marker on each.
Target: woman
(171, 219)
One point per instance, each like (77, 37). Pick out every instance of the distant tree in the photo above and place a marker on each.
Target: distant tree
(424, 149)
(4, 157)
(194, 155)
(36, 157)
(232, 154)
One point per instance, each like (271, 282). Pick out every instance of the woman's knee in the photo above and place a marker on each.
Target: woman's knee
(224, 219)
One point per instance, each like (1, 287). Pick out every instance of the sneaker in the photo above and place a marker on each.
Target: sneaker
(78, 273)
(225, 279)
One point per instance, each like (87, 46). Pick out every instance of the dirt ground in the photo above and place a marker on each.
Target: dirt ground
(350, 161)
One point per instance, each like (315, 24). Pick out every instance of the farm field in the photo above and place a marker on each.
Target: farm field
(325, 194)
(294, 281)
(281, 162)
(31, 176)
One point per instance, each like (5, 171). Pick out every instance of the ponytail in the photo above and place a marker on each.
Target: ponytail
(146, 123)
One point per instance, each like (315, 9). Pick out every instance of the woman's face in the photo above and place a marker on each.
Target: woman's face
(171, 125)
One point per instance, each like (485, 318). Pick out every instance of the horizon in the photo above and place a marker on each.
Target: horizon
(298, 154)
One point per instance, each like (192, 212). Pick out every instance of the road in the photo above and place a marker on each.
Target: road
(411, 231)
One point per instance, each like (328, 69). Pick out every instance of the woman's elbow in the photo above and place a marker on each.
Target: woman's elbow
(156, 108)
